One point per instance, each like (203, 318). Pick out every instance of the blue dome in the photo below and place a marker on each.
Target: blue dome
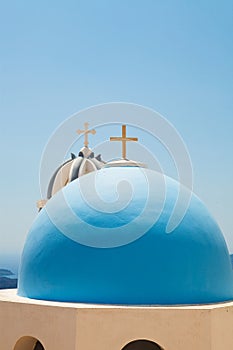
(103, 239)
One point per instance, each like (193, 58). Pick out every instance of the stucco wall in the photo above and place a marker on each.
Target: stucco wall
(55, 327)
(67, 326)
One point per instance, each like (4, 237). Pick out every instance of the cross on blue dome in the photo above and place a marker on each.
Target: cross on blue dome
(102, 239)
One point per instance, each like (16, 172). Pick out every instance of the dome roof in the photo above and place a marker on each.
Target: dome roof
(74, 168)
(100, 240)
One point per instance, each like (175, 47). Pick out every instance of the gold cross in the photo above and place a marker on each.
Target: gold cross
(123, 139)
(86, 132)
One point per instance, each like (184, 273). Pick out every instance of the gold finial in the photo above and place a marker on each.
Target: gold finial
(86, 132)
(41, 203)
(123, 139)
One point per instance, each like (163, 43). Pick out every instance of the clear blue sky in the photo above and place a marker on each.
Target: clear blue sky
(58, 57)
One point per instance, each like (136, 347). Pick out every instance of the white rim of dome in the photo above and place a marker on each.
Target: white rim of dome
(124, 162)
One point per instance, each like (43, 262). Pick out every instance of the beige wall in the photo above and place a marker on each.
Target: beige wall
(55, 327)
(64, 326)
(222, 328)
(172, 329)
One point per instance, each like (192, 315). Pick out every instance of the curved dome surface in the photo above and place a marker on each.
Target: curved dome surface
(74, 168)
(134, 260)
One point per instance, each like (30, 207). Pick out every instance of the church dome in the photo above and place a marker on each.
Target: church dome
(73, 168)
(100, 240)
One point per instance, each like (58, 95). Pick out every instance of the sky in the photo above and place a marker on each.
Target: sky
(59, 57)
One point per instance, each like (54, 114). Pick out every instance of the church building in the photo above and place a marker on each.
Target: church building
(99, 269)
